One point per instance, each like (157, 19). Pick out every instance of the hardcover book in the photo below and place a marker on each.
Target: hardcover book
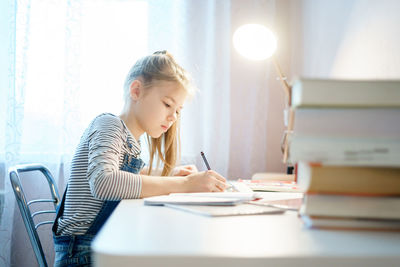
(326, 222)
(349, 122)
(372, 207)
(345, 93)
(317, 178)
(347, 151)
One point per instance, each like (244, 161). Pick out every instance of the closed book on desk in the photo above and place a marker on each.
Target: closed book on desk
(348, 122)
(325, 222)
(348, 151)
(345, 93)
(373, 207)
(317, 178)
(271, 186)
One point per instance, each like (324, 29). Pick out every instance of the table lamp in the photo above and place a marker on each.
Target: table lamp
(257, 42)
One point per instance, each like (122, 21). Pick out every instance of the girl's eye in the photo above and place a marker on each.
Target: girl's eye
(167, 105)
(177, 112)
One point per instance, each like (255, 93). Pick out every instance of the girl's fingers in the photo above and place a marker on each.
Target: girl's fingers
(220, 187)
(208, 181)
(183, 172)
(189, 169)
(192, 168)
(216, 176)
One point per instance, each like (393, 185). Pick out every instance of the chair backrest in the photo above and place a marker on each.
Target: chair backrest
(24, 206)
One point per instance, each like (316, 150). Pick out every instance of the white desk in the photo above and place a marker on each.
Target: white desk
(138, 235)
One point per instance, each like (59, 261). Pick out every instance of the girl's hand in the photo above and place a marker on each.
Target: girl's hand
(208, 181)
(184, 170)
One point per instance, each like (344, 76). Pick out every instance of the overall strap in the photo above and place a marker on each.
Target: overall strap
(59, 212)
(130, 164)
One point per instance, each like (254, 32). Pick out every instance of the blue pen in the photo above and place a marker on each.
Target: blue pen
(231, 187)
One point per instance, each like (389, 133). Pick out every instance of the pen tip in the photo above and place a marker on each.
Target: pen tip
(202, 153)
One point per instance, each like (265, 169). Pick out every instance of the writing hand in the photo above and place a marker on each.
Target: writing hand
(184, 170)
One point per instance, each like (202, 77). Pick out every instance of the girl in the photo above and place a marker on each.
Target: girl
(107, 167)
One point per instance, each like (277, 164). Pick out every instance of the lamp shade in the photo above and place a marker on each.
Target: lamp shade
(254, 41)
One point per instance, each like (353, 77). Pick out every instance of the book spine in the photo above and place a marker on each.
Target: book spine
(351, 206)
(336, 93)
(345, 151)
(345, 180)
(335, 223)
(348, 122)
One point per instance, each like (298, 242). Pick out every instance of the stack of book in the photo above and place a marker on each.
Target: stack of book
(346, 143)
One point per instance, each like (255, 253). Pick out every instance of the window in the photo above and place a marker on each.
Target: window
(71, 61)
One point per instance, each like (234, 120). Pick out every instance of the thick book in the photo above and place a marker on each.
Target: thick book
(348, 151)
(325, 222)
(347, 122)
(318, 178)
(345, 93)
(370, 207)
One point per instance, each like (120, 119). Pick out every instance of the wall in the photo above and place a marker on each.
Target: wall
(342, 39)
(356, 39)
(257, 99)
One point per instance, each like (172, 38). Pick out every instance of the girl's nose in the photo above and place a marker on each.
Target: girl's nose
(172, 117)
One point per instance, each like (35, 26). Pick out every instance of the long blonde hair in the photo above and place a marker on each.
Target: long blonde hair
(161, 66)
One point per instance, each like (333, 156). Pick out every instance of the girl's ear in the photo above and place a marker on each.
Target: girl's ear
(135, 89)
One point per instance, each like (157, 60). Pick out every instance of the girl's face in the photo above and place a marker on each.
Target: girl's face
(159, 106)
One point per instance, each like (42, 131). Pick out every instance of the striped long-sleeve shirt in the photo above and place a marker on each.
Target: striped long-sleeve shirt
(96, 175)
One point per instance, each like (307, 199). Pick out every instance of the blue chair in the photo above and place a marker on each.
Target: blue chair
(24, 206)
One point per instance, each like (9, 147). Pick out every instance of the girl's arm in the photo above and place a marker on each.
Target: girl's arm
(208, 181)
(145, 169)
(108, 182)
(182, 170)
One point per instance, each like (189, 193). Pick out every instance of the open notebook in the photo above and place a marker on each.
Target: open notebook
(210, 199)
(214, 204)
(191, 200)
(218, 211)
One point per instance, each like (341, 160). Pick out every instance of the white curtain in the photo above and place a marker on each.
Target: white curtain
(228, 117)
(66, 62)
(7, 53)
(198, 34)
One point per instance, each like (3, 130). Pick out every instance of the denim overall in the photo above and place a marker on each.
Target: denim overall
(75, 250)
